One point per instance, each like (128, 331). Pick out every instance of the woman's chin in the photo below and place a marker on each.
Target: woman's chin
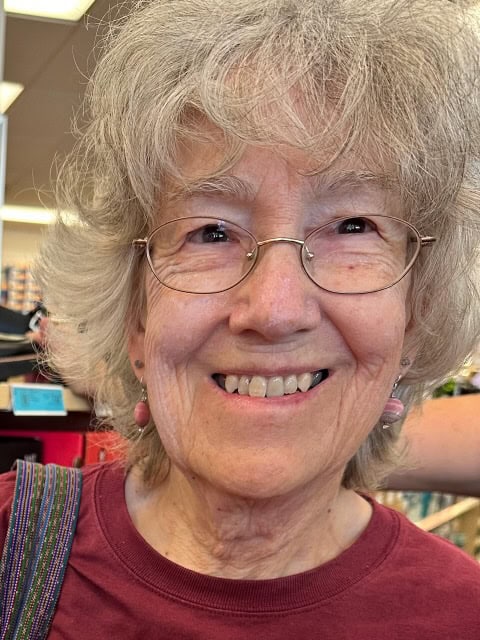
(265, 478)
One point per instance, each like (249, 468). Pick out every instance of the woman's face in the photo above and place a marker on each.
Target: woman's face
(274, 323)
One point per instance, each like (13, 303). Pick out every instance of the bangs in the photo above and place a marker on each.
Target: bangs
(344, 81)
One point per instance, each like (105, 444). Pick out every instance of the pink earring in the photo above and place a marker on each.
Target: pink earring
(394, 408)
(141, 413)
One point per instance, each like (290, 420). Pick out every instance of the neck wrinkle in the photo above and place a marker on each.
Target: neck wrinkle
(202, 529)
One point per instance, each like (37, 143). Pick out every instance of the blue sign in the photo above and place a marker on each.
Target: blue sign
(37, 399)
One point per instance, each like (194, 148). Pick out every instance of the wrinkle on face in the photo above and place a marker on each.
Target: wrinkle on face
(276, 317)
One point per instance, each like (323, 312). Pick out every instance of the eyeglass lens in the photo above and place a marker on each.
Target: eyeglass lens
(348, 255)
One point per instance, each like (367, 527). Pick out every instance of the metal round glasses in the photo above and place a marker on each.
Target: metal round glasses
(348, 255)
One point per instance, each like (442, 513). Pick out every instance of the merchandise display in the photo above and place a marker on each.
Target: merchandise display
(19, 290)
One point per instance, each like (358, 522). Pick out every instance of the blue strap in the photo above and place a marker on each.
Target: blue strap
(38, 543)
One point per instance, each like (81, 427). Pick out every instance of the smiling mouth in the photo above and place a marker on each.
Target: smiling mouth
(270, 387)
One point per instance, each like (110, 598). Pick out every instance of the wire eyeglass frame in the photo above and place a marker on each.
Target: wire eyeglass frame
(305, 254)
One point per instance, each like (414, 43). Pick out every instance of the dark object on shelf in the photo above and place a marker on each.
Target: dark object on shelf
(12, 449)
(8, 348)
(14, 325)
(17, 365)
(17, 352)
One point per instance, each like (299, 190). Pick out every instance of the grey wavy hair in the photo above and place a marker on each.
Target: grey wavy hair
(398, 78)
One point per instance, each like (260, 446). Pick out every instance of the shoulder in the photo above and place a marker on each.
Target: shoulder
(103, 476)
(7, 485)
(433, 559)
(422, 581)
(428, 577)
(112, 473)
(7, 489)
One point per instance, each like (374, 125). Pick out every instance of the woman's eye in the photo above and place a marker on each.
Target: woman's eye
(209, 234)
(354, 225)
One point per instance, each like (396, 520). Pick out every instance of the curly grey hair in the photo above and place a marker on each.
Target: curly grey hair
(397, 77)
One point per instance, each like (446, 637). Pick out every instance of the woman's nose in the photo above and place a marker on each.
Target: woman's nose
(277, 299)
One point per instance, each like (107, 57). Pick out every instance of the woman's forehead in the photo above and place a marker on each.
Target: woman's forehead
(204, 172)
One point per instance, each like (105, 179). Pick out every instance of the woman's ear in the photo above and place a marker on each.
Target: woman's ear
(136, 345)
(135, 329)
(136, 351)
(410, 349)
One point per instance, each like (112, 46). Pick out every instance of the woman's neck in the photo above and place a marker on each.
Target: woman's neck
(202, 529)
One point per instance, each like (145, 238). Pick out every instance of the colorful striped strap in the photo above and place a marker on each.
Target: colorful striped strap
(35, 556)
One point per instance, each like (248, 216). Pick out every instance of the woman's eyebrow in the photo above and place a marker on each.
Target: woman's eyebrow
(228, 187)
(322, 184)
(328, 182)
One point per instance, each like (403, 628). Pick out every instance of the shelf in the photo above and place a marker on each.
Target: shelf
(438, 519)
(74, 421)
(466, 513)
(79, 415)
(73, 402)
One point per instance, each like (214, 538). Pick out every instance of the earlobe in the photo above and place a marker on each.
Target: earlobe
(410, 348)
(409, 352)
(135, 330)
(136, 351)
(410, 341)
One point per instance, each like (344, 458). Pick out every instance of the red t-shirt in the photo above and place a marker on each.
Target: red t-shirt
(394, 582)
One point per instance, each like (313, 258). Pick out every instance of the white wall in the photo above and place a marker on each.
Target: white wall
(20, 242)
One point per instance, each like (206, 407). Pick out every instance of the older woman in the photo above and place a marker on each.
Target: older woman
(277, 211)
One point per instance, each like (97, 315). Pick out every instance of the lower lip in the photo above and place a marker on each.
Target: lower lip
(291, 399)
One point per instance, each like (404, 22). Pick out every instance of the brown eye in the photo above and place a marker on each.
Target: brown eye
(209, 234)
(354, 225)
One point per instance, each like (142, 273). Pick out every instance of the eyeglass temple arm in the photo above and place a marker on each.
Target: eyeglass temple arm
(426, 241)
(139, 242)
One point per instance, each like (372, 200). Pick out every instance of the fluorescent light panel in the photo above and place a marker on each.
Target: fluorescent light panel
(54, 9)
(33, 215)
(9, 92)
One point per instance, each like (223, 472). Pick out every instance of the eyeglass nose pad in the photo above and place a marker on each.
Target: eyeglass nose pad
(250, 255)
(308, 254)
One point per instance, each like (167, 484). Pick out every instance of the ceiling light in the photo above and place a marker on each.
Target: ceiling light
(34, 215)
(55, 9)
(9, 91)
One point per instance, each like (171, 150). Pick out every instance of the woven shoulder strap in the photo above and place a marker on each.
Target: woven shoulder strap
(39, 538)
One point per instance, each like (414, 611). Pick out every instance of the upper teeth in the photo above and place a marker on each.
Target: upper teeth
(261, 387)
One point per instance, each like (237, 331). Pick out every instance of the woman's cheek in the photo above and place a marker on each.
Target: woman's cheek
(373, 325)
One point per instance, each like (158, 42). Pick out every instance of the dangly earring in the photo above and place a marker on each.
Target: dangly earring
(141, 413)
(394, 408)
